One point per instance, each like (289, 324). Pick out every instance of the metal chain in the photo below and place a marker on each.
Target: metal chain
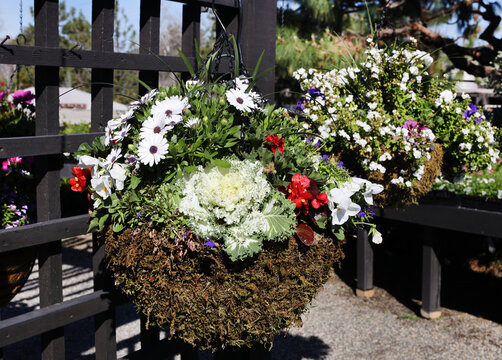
(384, 19)
(282, 19)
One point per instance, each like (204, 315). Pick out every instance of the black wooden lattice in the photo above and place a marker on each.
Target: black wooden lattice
(257, 19)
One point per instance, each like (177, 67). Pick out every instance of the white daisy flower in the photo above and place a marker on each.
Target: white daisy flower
(113, 156)
(192, 123)
(240, 100)
(170, 110)
(120, 134)
(144, 99)
(152, 149)
(153, 125)
(128, 115)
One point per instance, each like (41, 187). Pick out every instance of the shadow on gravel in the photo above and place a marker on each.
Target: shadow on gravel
(398, 266)
(296, 347)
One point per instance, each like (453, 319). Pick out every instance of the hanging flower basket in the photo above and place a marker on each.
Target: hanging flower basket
(206, 300)
(211, 205)
(392, 122)
(15, 268)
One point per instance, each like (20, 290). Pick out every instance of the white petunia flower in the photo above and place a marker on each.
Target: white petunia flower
(370, 189)
(240, 100)
(102, 185)
(341, 206)
(86, 161)
(377, 237)
(152, 149)
(118, 173)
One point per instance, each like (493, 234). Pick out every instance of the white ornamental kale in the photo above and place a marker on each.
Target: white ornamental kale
(236, 205)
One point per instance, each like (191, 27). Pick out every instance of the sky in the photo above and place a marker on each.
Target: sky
(9, 13)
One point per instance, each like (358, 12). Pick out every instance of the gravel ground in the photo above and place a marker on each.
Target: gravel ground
(338, 326)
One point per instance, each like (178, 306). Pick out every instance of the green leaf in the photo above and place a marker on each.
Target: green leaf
(189, 169)
(103, 220)
(133, 197)
(220, 163)
(322, 222)
(255, 71)
(134, 182)
(84, 147)
(340, 234)
(93, 224)
(117, 227)
(187, 63)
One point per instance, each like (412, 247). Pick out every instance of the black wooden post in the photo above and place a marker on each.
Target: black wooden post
(149, 40)
(364, 264)
(101, 112)
(47, 172)
(259, 19)
(431, 276)
(190, 32)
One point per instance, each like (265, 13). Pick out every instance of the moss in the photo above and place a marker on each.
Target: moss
(394, 196)
(204, 299)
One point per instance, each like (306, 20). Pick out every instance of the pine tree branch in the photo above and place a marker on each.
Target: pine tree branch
(475, 61)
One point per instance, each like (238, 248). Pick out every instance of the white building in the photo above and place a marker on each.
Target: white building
(75, 106)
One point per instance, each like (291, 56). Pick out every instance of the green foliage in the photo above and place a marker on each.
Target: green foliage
(485, 184)
(79, 128)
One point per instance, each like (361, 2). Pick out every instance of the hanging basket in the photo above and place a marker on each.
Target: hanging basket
(393, 196)
(15, 268)
(206, 300)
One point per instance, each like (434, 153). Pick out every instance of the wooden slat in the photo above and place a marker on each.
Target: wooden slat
(101, 112)
(42, 233)
(472, 221)
(44, 144)
(52, 317)
(47, 173)
(190, 33)
(209, 3)
(258, 25)
(37, 55)
(149, 40)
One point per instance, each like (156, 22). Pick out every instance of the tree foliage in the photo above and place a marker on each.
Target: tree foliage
(403, 18)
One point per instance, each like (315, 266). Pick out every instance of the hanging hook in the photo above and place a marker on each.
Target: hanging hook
(7, 37)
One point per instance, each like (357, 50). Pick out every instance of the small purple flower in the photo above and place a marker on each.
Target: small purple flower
(340, 164)
(326, 158)
(317, 144)
(315, 92)
(361, 214)
(471, 111)
(139, 215)
(21, 96)
(301, 104)
(2, 95)
(209, 243)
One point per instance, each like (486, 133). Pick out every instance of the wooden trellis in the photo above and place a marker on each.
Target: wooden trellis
(254, 20)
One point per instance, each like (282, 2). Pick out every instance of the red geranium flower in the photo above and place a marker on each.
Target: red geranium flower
(81, 176)
(275, 143)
